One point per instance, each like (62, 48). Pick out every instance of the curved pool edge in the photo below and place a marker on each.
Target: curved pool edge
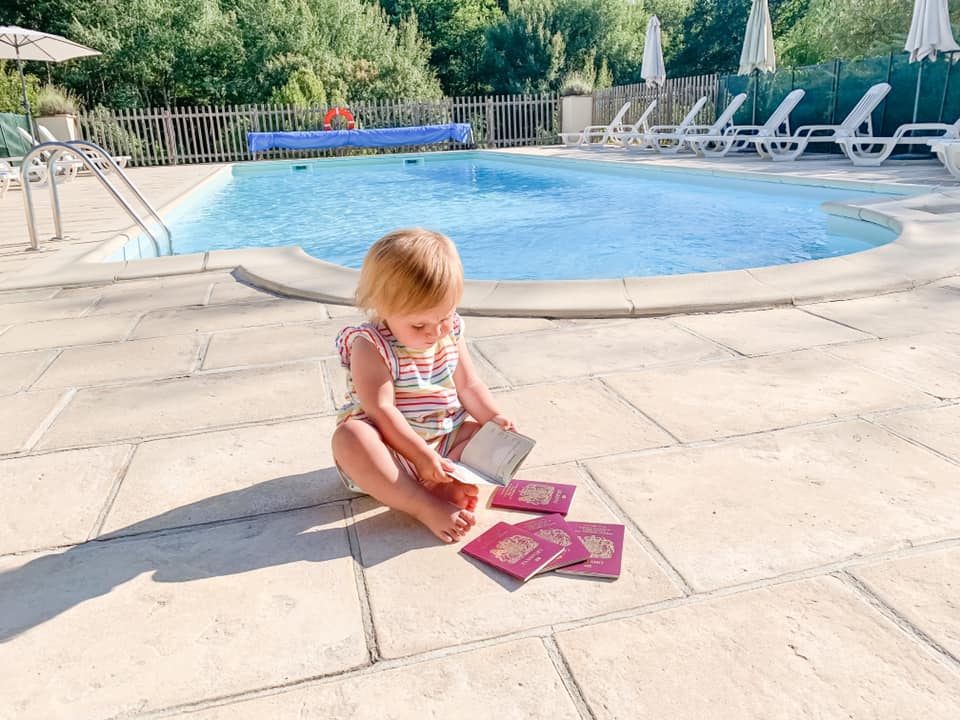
(927, 249)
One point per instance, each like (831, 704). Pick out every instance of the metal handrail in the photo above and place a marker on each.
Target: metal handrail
(56, 149)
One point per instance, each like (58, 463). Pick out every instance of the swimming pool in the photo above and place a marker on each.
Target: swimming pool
(521, 218)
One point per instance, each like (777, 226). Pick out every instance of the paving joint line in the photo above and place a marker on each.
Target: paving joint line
(41, 371)
(65, 397)
(101, 518)
(651, 548)
(875, 600)
(614, 395)
(363, 591)
(567, 677)
(916, 443)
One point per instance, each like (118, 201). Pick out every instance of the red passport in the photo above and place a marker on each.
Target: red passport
(605, 543)
(557, 530)
(534, 495)
(514, 550)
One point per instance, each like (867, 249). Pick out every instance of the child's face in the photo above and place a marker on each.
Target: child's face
(421, 329)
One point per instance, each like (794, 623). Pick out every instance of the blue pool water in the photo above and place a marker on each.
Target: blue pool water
(514, 218)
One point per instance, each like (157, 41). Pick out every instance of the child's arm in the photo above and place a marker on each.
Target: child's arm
(474, 394)
(374, 387)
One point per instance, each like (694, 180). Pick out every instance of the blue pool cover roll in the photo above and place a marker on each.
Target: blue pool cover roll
(378, 137)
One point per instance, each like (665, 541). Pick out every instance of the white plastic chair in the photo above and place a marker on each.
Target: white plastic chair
(737, 136)
(792, 147)
(622, 137)
(874, 150)
(948, 152)
(588, 135)
(670, 134)
(67, 165)
(120, 160)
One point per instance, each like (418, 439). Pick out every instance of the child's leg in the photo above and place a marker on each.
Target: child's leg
(366, 459)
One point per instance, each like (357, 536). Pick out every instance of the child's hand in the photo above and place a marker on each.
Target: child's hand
(504, 422)
(433, 469)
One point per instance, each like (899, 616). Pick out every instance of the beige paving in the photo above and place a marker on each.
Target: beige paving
(700, 402)
(52, 510)
(769, 331)
(227, 474)
(143, 624)
(510, 680)
(174, 542)
(924, 589)
(412, 578)
(592, 350)
(784, 502)
(807, 650)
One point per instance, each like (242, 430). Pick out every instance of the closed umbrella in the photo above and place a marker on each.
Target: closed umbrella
(17, 43)
(929, 34)
(652, 69)
(758, 54)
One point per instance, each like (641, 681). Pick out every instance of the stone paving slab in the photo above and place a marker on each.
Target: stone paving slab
(477, 327)
(149, 295)
(575, 420)
(35, 310)
(65, 332)
(30, 410)
(769, 331)
(758, 507)
(512, 680)
(42, 509)
(17, 370)
(227, 474)
(897, 313)
(118, 362)
(20, 296)
(141, 624)
(219, 317)
(810, 650)
(701, 402)
(938, 428)
(233, 292)
(925, 589)
(101, 415)
(273, 344)
(580, 351)
(930, 362)
(424, 595)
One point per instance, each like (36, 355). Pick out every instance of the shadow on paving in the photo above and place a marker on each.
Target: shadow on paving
(174, 548)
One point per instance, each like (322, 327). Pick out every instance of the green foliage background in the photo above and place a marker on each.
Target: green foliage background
(331, 52)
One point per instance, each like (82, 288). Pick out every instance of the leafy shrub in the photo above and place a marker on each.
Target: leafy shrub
(54, 100)
(576, 83)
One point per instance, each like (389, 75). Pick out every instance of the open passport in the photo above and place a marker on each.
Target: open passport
(492, 456)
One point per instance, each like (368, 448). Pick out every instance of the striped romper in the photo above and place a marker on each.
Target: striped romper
(424, 391)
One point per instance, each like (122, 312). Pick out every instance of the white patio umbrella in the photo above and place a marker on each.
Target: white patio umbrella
(652, 70)
(17, 43)
(930, 33)
(758, 54)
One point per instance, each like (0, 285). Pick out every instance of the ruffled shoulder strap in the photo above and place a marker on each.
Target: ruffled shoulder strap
(368, 331)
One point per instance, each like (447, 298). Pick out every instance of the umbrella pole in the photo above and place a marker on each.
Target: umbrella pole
(916, 96)
(756, 81)
(23, 86)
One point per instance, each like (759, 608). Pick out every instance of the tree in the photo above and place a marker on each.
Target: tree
(522, 55)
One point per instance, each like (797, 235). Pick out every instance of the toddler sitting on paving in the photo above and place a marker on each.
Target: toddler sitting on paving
(411, 384)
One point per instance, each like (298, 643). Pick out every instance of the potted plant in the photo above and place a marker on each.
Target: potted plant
(57, 111)
(576, 102)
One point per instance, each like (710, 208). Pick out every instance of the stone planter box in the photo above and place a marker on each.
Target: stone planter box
(63, 127)
(576, 112)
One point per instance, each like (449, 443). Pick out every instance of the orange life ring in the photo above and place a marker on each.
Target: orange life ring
(342, 112)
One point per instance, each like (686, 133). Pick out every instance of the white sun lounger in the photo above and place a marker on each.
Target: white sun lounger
(792, 147)
(653, 136)
(598, 135)
(67, 165)
(948, 152)
(672, 143)
(737, 136)
(636, 130)
(874, 150)
(10, 175)
(120, 160)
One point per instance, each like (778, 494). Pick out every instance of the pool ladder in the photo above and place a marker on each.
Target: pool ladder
(93, 158)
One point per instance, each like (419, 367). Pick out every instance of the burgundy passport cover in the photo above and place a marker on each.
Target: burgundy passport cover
(534, 495)
(514, 550)
(605, 543)
(555, 529)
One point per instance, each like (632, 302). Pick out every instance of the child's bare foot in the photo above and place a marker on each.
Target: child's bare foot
(444, 519)
(463, 495)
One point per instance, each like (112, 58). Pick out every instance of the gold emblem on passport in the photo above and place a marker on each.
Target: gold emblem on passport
(599, 547)
(513, 549)
(555, 535)
(536, 494)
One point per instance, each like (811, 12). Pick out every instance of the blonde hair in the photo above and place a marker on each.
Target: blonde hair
(409, 270)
